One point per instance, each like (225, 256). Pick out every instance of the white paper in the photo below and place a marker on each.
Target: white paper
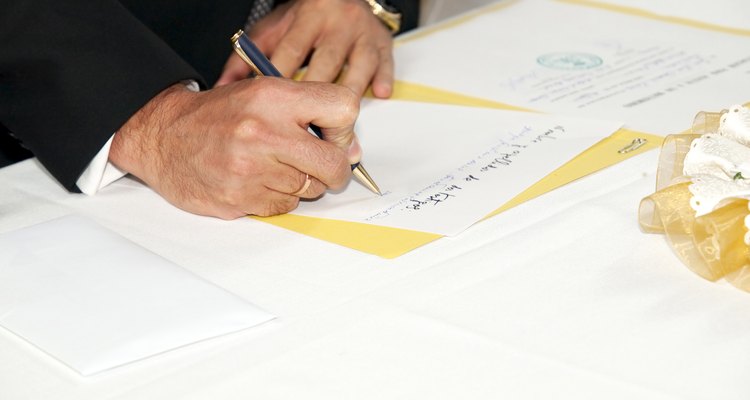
(731, 14)
(442, 168)
(567, 58)
(94, 300)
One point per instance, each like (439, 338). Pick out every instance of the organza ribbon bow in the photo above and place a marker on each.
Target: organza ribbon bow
(701, 199)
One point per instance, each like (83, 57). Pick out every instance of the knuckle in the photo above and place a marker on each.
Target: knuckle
(251, 136)
(310, 149)
(280, 206)
(329, 57)
(349, 105)
(290, 204)
(332, 163)
(330, 158)
(342, 167)
(319, 91)
(292, 49)
(248, 128)
(230, 199)
(339, 172)
(354, 9)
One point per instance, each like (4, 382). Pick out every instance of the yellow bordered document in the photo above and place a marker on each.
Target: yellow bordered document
(624, 30)
(586, 59)
(392, 242)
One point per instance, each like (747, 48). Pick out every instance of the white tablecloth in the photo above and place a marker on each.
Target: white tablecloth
(561, 297)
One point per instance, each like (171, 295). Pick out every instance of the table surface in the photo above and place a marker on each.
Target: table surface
(560, 297)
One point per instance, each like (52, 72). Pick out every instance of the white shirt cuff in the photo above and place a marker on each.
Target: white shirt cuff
(100, 171)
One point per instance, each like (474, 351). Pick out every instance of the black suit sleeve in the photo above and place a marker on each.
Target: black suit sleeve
(409, 10)
(72, 72)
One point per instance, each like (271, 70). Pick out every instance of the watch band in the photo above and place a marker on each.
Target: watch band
(389, 17)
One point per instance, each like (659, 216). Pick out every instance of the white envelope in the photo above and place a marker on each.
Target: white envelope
(94, 300)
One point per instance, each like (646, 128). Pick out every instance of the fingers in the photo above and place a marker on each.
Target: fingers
(333, 34)
(292, 181)
(272, 203)
(281, 112)
(319, 159)
(292, 50)
(364, 62)
(267, 32)
(234, 70)
(328, 59)
(382, 83)
(275, 190)
(280, 193)
(242, 148)
(304, 187)
(334, 109)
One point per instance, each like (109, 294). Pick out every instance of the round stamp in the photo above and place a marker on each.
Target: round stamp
(569, 61)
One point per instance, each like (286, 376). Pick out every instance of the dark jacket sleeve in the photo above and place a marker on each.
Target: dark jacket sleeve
(72, 72)
(409, 10)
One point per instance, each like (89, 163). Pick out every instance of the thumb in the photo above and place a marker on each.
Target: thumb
(345, 139)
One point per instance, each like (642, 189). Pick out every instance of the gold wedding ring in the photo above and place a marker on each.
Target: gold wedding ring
(304, 187)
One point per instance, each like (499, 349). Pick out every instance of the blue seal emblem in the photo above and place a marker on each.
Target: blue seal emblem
(569, 61)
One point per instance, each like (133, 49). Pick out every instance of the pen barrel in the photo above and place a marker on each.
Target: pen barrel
(253, 56)
(259, 59)
(317, 131)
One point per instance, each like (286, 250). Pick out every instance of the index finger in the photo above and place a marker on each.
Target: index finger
(333, 108)
(294, 47)
(320, 159)
(370, 62)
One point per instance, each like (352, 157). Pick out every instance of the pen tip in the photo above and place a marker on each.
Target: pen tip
(364, 178)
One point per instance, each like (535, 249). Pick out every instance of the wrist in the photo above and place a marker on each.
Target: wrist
(136, 146)
(387, 14)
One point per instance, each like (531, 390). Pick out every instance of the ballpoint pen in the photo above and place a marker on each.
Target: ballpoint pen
(258, 62)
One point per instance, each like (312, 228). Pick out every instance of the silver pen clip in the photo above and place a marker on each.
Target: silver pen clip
(636, 144)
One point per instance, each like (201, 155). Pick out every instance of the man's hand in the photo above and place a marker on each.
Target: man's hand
(332, 33)
(243, 148)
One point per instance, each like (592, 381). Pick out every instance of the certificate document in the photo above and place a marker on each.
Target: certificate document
(731, 14)
(570, 58)
(443, 168)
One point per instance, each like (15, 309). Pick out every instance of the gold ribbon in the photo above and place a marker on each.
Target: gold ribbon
(712, 245)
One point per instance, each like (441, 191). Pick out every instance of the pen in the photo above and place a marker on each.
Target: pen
(247, 50)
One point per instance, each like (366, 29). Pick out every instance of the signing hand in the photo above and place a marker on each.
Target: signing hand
(242, 148)
(333, 33)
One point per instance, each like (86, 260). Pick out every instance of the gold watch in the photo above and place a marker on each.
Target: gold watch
(388, 16)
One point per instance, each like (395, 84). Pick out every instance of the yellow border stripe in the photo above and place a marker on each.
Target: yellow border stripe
(664, 18)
